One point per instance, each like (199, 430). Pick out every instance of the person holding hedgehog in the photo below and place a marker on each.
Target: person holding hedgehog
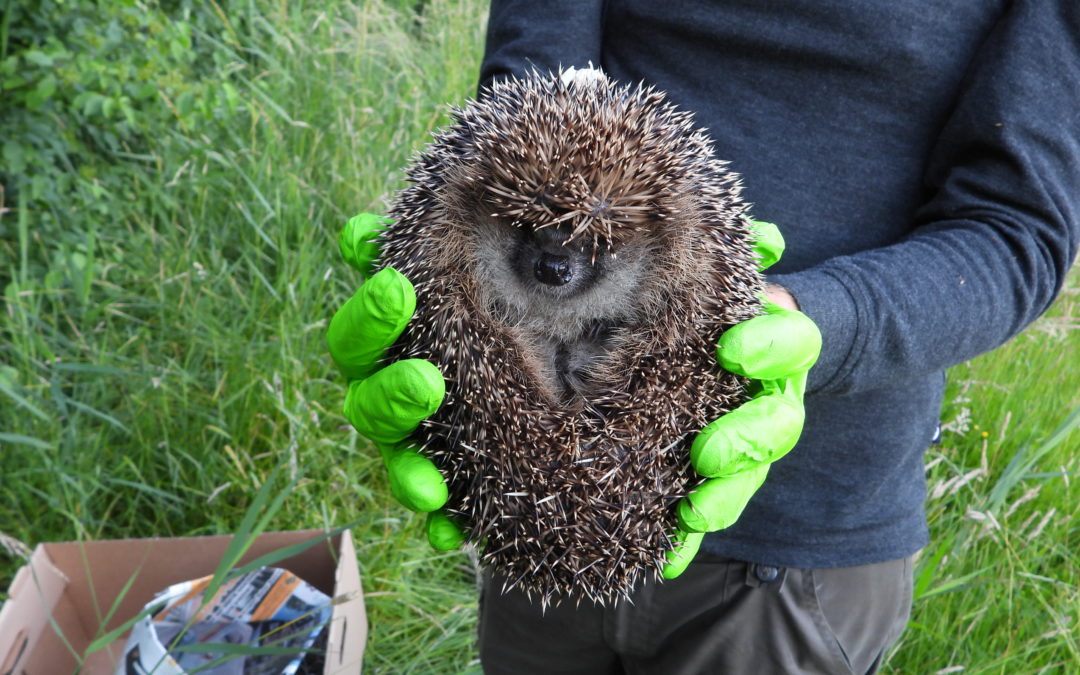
(924, 168)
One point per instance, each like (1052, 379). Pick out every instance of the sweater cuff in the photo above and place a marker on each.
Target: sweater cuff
(829, 304)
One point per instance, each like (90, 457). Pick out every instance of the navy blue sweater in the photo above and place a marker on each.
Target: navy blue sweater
(923, 164)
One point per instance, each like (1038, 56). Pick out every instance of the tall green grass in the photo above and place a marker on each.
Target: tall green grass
(153, 377)
(156, 369)
(998, 589)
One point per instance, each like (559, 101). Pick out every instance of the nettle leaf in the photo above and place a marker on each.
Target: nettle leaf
(15, 156)
(127, 110)
(146, 90)
(42, 92)
(38, 58)
(92, 104)
(40, 186)
(185, 103)
(9, 66)
(14, 82)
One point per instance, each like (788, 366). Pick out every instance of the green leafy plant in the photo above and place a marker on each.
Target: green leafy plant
(85, 86)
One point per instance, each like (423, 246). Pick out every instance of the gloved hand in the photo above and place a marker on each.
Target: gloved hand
(386, 404)
(775, 350)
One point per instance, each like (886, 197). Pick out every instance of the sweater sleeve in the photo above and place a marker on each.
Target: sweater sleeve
(991, 246)
(525, 34)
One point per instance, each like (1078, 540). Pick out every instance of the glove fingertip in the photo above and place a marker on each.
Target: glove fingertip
(428, 497)
(736, 347)
(357, 240)
(355, 410)
(680, 557)
(770, 346)
(690, 518)
(421, 486)
(768, 243)
(390, 298)
(369, 322)
(424, 383)
(711, 451)
(443, 533)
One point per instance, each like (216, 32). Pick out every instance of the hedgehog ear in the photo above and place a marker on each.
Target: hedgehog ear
(768, 243)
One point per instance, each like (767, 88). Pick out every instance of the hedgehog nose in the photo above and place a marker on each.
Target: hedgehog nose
(553, 270)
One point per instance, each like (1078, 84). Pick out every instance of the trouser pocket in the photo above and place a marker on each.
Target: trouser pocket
(861, 610)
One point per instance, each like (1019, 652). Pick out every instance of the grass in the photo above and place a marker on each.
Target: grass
(154, 374)
(156, 398)
(998, 589)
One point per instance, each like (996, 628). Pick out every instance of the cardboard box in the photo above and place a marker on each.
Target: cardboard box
(76, 583)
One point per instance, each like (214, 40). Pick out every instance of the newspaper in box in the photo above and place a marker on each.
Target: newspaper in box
(270, 610)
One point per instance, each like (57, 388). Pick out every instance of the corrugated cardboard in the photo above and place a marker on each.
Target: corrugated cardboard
(71, 586)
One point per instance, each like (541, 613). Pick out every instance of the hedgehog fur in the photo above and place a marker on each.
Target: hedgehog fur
(566, 427)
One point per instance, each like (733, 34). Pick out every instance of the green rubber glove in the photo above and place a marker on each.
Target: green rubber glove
(775, 350)
(386, 402)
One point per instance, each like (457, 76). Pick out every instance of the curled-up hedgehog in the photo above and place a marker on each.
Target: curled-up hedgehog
(576, 252)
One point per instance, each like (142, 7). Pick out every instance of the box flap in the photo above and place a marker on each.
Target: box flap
(348, 626)
(34, 595)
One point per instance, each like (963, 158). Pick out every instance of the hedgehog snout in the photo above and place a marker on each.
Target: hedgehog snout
(553, 270)
(545, 256)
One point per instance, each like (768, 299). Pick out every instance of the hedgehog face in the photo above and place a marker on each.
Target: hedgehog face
(553, 286)
(563, 296)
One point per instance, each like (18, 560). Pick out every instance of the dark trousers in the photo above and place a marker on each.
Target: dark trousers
(721, 616)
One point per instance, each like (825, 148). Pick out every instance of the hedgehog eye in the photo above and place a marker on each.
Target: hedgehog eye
(555, 236)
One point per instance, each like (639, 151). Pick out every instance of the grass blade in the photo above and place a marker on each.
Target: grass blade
(22, 402)
(20, 439)
(110, 637)
(289, 551)
(116, 603)
(1024, 460)
(249, 529)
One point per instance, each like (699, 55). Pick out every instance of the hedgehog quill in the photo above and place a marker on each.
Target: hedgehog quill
(576, 252)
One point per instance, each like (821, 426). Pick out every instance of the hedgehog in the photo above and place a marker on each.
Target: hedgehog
(576, 251)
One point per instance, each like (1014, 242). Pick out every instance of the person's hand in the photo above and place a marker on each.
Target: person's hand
(775, 350)
(385, 403)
